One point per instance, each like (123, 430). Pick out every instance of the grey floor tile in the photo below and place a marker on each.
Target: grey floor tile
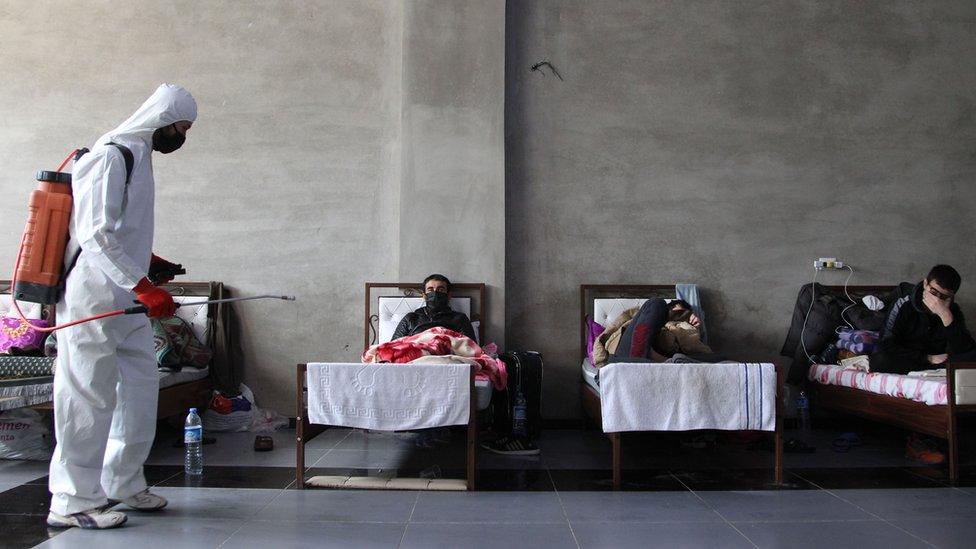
(671, 535)
(364, 459)
(798, 535)
(636, 506)
(340, 505)
(476, 536)
(943, 533)
(358, 439)
(214, 503)
(787, 505)
(20, 472)
(237, 449)
(325, 440)
(4, 486)
(282, 535)
(524, 507)
(147, 531)
(937, 503)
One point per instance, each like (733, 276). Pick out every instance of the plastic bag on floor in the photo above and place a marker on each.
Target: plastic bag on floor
(241, 414)
(225, 414)
(24, 435)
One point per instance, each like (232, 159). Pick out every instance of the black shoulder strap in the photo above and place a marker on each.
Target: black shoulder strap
(129, 160)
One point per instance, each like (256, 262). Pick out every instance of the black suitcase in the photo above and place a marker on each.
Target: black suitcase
(524, 372)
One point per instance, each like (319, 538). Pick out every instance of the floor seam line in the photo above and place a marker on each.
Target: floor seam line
(562, 506)
(714, 510)
(406, 525)
(879, 517)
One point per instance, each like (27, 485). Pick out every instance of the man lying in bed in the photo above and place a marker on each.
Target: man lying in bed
(656, 332)
(436, 311)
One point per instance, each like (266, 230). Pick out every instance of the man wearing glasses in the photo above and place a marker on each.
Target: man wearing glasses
(436, 311)
(925, 328)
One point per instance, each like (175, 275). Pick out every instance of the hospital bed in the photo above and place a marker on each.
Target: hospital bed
(385, 305)
(178, 391)
(923, 405)
(615, 402)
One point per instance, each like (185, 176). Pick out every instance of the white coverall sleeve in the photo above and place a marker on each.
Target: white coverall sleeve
(99, 215)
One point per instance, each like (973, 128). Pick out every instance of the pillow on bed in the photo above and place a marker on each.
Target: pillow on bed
(593, 331)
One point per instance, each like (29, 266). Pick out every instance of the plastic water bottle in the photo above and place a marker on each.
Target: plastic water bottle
(803, 412)
(519, 419)
(193, 441)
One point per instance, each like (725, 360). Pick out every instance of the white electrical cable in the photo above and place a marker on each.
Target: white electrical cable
(813, 291)
(849, 298)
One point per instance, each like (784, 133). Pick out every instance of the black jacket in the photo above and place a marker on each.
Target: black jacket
(911, 333)
(817, 324)
(422, 319)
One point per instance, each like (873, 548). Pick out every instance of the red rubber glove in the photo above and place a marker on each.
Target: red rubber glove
(157, 300)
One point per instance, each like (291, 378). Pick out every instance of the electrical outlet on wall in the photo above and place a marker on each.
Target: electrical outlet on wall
(828, 263)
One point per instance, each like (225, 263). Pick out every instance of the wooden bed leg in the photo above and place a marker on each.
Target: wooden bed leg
(615, 442)
(778, 433)
(300, 415)
(472, 436)
(952, 433)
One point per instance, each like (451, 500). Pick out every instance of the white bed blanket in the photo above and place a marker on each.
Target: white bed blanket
(683, 397)
(389, 397)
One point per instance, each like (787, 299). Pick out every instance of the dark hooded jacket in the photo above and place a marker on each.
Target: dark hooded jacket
(911, 333)
(424, 319)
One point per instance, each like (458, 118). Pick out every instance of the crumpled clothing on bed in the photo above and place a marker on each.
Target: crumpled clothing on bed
(447, 346)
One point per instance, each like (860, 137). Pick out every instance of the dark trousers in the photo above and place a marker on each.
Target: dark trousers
(639, 337)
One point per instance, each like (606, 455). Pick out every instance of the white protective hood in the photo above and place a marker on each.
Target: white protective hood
(168, 104)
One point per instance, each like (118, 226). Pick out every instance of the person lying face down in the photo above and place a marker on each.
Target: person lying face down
(436, 311)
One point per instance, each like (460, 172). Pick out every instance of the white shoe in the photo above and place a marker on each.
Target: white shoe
(98, 518)
(145, 501)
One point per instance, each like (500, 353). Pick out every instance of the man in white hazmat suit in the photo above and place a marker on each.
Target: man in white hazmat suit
(106, 385)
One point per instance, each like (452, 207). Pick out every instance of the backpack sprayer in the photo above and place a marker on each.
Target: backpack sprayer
(39, 270)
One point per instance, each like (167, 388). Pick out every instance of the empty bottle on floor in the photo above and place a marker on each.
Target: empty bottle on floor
(193, 441)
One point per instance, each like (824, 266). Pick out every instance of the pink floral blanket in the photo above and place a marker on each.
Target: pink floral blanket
(447, 346)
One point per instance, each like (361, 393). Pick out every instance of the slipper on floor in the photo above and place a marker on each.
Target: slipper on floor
(841, 445)
(263, 443)
(795, 446)
(851, 438)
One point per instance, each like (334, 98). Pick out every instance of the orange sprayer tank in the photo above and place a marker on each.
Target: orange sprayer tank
(45, 238)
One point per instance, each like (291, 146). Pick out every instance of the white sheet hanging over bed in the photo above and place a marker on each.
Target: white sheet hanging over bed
(389, 397)
(684, 397)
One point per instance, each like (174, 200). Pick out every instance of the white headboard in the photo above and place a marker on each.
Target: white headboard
(392, 309)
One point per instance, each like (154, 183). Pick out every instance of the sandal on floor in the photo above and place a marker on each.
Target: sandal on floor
(795, 446)
(841, 445)
(263, 443)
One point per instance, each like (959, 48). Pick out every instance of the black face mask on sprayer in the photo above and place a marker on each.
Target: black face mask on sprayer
(167, 143)
(436, 301)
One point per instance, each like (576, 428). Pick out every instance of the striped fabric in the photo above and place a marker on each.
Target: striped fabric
(931, 391)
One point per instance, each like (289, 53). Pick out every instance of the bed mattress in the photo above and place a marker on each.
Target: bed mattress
(169, 379)
(928, 390)
(589, 374)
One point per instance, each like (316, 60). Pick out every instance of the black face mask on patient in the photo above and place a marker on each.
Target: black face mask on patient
(436, 301)
(167, 143)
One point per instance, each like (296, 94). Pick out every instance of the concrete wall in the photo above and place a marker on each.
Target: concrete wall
(729, 144)
(452, 197)
(290, 180)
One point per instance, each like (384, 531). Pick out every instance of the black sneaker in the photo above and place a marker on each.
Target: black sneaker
(512, 446)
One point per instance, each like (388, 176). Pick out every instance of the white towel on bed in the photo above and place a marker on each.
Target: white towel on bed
(682, 397)
(389, 397)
